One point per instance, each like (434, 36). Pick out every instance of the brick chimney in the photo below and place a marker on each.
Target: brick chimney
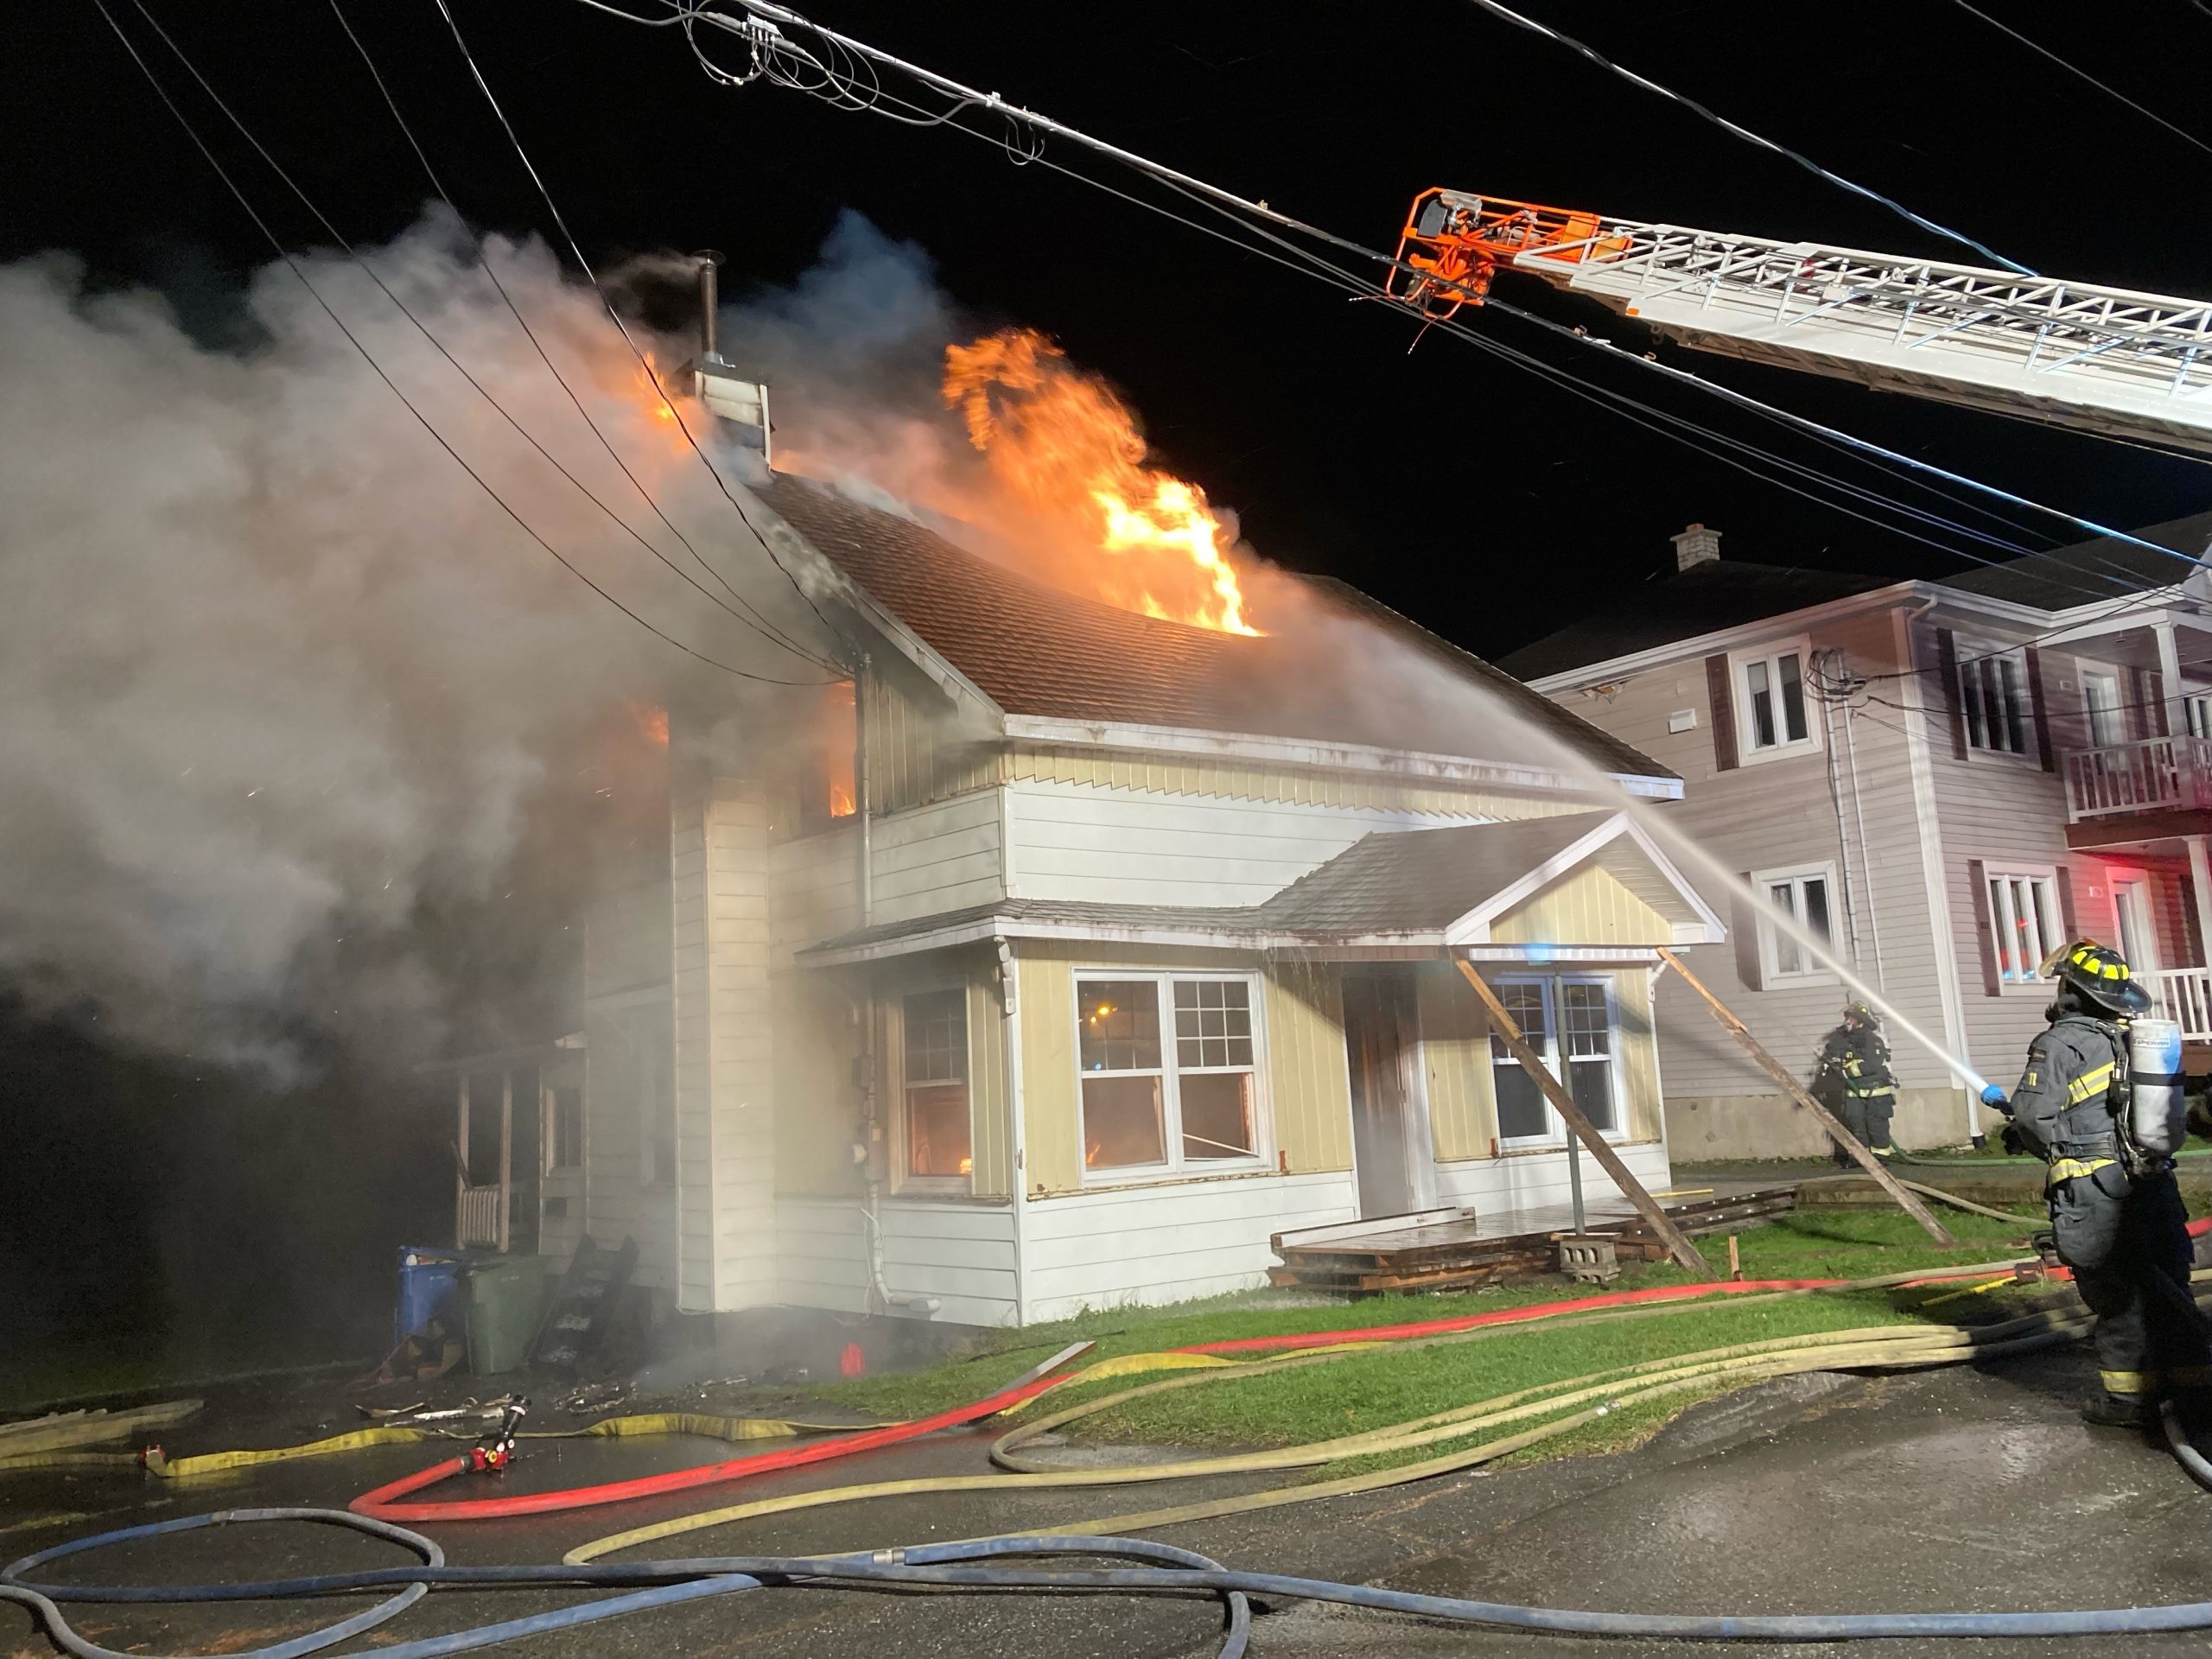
(1696, 545)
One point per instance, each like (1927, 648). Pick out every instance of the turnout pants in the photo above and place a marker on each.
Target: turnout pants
(2128, 1244)
(1866, 1116)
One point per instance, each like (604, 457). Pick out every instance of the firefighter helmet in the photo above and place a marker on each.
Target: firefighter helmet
(1858, 1014)
(2100, 974)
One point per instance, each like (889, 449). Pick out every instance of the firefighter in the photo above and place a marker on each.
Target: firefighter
(1854, 1080)
(2116, 1215)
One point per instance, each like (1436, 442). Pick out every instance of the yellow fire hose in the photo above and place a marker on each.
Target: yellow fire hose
(1589, 1398)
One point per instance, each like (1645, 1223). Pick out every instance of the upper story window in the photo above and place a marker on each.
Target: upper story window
(824, 769)
(934, 1127)
(1994, 699)
(1772, 695)
(1170, 1076)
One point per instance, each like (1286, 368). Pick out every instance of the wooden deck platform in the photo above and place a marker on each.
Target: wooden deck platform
(1459, 1249)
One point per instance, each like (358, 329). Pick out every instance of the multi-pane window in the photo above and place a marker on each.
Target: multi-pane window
(1169, 1073)
(1774, 702)
(1801, 895)
(936, 1083)
(1569, 1023)
(2024, 923)
(1993, 698)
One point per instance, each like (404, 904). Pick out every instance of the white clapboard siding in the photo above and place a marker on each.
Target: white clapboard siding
(942, 857)
(1494, 1187)
(813, 891)
(1119, 845)
(962, 1253)
(1149, 1245)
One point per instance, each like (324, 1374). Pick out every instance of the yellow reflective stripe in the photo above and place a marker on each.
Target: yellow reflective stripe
(2065, 1169)
(1876, 1093)
(2090, 1084)
(2129, 1381)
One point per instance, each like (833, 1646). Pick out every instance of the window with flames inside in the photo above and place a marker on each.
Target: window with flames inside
(1169, 1075)
(938, 1147)
(828, 795)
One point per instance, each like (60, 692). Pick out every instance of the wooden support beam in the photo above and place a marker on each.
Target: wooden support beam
(1653, 1213)
(1797, 1091)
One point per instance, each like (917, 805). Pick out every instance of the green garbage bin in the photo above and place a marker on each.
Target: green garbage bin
(507, 1297)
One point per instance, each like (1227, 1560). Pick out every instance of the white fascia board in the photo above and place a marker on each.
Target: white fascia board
(1708, 929)
(1426, 941)
(1539, 956)
(1473, 928)
(1727, 639)
(1305, 752)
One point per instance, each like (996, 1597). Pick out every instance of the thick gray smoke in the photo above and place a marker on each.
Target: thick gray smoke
(276, 677)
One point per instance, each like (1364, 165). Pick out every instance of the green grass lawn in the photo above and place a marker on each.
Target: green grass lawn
(1372, 1391)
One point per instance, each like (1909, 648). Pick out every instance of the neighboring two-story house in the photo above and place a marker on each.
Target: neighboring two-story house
(1064, 955)
(1947, 779)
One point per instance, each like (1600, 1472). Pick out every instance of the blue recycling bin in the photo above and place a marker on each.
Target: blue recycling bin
(430, 1285)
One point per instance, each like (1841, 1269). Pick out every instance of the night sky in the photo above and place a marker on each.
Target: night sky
(1482, 501)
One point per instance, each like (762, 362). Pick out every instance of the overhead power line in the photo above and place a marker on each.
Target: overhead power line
(644, 362)
(758, 620)
(1749, 137)
(773, 56)
(2043, 51)
(277, 243)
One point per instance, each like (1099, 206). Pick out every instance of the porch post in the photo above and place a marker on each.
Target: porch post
(460, 1172)
(506, 1156)
(2177, 706)
(2200, 890)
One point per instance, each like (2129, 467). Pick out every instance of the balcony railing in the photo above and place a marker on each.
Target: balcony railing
(2155, 774)
(2184, 996)
(479, 1219)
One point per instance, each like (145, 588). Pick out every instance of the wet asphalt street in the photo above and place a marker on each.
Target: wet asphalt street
(1947, 1490)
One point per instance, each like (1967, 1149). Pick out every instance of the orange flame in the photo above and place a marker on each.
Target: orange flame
(652, 723)
(1061, 440)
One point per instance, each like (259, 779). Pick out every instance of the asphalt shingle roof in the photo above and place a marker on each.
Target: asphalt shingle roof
(1038, 650)
(2087, 571)
(1682, 605)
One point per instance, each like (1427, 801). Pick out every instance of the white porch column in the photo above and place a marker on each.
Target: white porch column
(2200, 888)
(2170, 680)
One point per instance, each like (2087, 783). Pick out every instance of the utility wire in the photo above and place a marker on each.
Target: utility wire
(644, 362)
(2109, 91)
(760, 622)
(1747, 134)
(697, 11)
(277, 243)
(758, 626)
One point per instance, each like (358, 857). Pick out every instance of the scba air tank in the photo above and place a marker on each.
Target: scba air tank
(2158, 1115)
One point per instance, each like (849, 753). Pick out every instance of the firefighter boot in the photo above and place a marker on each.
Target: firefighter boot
(2119, 1411)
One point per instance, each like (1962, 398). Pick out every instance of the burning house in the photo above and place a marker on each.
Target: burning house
(1103, 923)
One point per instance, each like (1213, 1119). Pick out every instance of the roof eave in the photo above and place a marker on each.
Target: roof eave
(1326, 756)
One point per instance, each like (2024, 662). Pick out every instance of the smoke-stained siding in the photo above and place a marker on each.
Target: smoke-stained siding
(937, 858)
(814, 890)
(817, 1109)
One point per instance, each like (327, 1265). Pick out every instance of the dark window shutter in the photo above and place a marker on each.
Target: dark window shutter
(2066, 918)
(1743, 926)
(1722, 695)
(1984, 927)
(2042, 709)
(1947, 667)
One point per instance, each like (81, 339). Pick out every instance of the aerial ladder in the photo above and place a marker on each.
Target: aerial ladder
(2110, 360)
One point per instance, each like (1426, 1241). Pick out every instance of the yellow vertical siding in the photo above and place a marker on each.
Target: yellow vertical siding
(990, 1105)
(1455, 1051)
(1639, 1042)
(1587, 906)
(1306, 1078)
(1047, 1022)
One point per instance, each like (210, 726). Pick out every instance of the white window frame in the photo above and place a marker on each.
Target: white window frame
(2003, 922)
(2096, 673)
(2196, 711)
(1769, 656)
(1554, 1011)
(1975, 658)
(1176, 1167)
(902, 1178)
(1771, 973)
(2145, 956)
